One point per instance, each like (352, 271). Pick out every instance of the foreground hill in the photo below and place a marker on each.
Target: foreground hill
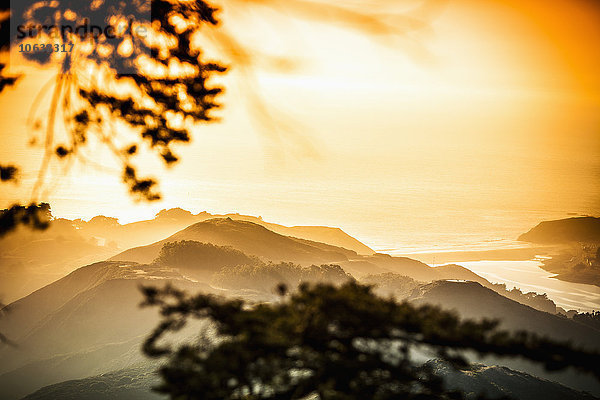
(34, 310)
(89, 323)
(30, 259)
(472, 300)
(578, 229)
(86, 323)
(125, 384)
(501, 382)
(494, 381)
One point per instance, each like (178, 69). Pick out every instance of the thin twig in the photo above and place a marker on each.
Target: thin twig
(48, 151)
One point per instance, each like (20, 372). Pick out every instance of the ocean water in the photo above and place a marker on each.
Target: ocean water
(529, 277)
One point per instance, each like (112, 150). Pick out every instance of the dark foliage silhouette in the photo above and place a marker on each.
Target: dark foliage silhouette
(159, 90)
(94, 90)
(590, 318)
(266, 277)
(198, 255)
(33, 216)
(137, 88)
(331, 342)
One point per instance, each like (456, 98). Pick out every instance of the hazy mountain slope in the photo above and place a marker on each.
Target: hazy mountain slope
(31, 310)
(141, 254)
(167, 222)
(75, 326)
(497, 382)
(405, 266)
(32, 376)
(383, 263)
(578, 229)
(326, 247)
(251, 238)
(494, 381)
(126, 384)
(31, 259)
(107, 311)
(472, 300)
(453, 271)
(256, 240)
(362, 267)
(323, 234)
(200, 261)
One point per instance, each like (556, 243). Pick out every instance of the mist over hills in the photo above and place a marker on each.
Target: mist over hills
(248, 237)
(170, 221)
(257, 241)
(88, 323)
(31, 259)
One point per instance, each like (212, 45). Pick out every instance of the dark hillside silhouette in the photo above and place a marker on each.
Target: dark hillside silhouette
(201, 260)
(331, 342)
(86, 323)
(578, 229)
(472, 300)
(269, 277)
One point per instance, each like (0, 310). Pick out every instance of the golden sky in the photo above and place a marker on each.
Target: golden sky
(491, 105)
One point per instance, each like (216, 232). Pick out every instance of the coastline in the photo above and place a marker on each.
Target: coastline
(577, 264)
(528, 267)
(521, 252)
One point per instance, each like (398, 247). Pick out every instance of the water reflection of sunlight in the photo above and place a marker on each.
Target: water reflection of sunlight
(529, 277)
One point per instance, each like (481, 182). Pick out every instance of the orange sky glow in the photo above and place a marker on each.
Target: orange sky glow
(491, 105)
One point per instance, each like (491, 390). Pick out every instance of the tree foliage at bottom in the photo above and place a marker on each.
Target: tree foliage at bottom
(329, 342)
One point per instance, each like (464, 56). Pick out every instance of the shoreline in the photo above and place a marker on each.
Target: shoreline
(524, 253)
(558, 260)
(499, 266)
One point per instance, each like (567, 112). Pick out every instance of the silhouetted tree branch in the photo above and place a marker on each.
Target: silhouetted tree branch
(335, 343)
(35, 216)
(159, 88)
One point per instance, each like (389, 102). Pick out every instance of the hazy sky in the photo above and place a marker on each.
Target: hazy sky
(492, 109)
